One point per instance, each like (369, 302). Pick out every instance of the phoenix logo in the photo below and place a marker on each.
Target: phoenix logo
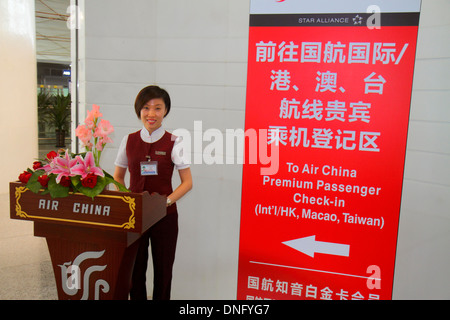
(71, 276)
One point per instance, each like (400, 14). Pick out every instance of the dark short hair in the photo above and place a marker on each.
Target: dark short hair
(149, 93)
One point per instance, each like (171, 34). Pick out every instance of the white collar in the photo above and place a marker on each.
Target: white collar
(155, 136)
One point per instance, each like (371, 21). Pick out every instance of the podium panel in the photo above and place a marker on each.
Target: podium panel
(92, 242)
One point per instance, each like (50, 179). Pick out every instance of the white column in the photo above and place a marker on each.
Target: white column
(18, 93)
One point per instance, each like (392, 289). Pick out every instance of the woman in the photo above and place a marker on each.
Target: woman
(150, 155)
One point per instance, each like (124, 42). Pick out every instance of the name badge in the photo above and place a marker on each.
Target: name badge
(149, 168)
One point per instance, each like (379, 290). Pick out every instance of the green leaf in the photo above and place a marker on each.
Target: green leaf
(92, 192)
(102, 182)
(76, 182)
(110, 179)
(56, 190)
(33, 184)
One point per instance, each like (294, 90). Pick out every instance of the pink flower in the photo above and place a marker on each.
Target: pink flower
(94, 114)
(86, 166)
(97, 129)
(104, 128)
(90, 124)
(62, 166)
(83, 133)
(102, 141)
(48, 168)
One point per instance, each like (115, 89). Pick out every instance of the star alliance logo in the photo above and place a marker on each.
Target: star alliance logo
(357, 20)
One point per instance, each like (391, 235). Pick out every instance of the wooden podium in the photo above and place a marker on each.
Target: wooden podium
(92, 242)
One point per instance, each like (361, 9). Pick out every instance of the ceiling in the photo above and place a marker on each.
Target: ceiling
(52, 32)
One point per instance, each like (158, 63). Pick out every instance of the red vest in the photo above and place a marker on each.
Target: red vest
(160, 151)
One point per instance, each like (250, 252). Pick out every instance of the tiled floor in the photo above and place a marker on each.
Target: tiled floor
(25, 268)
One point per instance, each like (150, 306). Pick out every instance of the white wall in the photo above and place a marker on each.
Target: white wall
(197, 50)
(423, 258)
(18, 93)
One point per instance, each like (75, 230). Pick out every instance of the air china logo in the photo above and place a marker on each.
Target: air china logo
(281, 0)
(71, 276)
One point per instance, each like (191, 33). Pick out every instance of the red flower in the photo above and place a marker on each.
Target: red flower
(37, 165)
(24, 177)
(90, 181)
(43, 180)
(65, 181)
(51, 155)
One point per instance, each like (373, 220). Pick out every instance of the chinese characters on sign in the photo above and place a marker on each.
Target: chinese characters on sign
(357, 52)
(335, 100)
(289, 290)
(335, 110)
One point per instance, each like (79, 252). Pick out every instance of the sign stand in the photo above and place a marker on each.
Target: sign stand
(330, 83)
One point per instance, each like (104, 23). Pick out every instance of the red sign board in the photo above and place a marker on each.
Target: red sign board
(334, 96)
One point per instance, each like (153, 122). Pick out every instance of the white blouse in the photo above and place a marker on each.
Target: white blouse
(179, 158)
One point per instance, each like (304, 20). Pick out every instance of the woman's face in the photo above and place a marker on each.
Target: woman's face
(152, 114)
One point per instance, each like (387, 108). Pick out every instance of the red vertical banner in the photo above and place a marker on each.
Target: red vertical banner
(333, 92)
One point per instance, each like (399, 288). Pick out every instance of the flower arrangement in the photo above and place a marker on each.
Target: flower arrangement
(62, 172)
(94, 129)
